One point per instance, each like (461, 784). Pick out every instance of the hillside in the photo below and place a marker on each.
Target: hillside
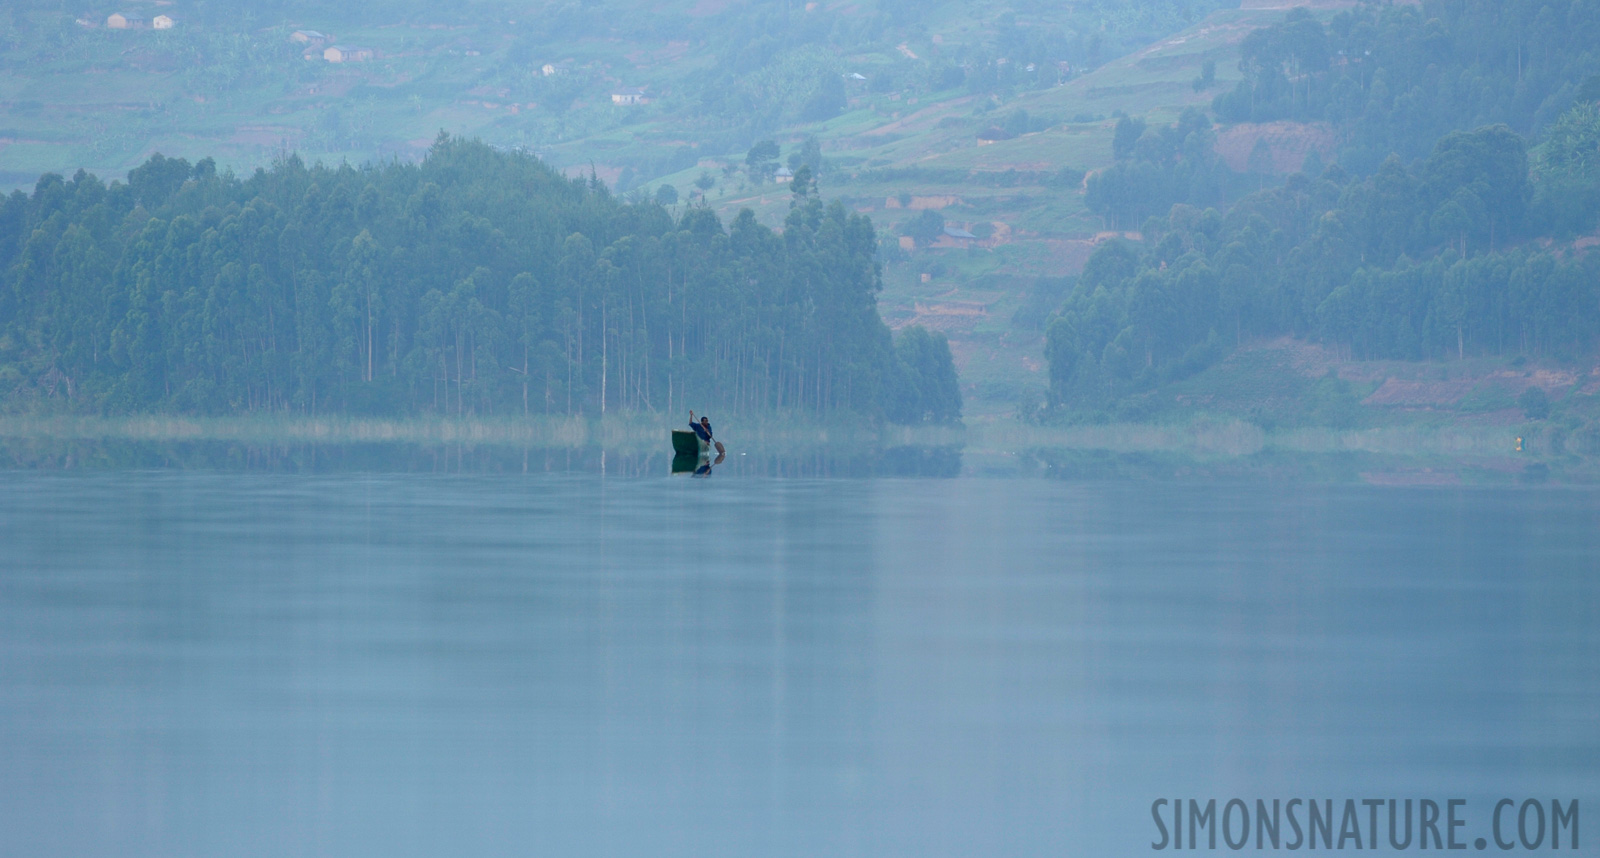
(79, 95)
(994, 119)
(894, 159)
(892, 156)
(228, 81)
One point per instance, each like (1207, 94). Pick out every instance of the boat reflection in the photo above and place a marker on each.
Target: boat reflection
(696, 466)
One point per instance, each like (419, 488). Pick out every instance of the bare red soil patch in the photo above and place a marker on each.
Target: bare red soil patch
(1290, 142)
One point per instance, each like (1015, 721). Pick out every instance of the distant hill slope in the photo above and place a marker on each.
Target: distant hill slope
(921, 82)
(970, 133)
(228, 81)
(891, 158)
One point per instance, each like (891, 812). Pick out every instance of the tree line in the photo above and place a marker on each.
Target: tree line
(1422, 241)
(477, 282)
(1158, 167)
(1389, 79)
(1429, 260)
(1396, 77)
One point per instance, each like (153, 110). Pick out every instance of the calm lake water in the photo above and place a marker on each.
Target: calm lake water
(202, 664)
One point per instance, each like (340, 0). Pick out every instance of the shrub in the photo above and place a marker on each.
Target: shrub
(1535, 403)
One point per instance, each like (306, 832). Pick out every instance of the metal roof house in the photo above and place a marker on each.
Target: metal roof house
(629, 95)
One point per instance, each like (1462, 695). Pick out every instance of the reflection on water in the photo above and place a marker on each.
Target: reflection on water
(697, 466)
(418, 665)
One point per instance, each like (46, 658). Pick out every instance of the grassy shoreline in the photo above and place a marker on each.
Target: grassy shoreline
(622, 432)
(1232, 438)
(1200, 436)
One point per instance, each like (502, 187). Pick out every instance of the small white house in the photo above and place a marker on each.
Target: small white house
(783, 176)
(629, 95)
(993, 134)
(554, 69)
(161, 22)
(126, 21)
(309, 37)
(347, 54)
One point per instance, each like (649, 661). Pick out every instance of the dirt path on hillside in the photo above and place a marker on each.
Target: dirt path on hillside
(925, 114)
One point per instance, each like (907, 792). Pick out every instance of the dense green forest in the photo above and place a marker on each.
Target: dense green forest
(1394, 78)
(1390, 80)
(1402, 248)
(477, 282)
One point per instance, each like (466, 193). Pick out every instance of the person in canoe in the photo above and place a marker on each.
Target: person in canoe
(703, 430)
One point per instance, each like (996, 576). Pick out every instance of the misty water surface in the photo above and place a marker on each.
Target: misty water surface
(200, 664)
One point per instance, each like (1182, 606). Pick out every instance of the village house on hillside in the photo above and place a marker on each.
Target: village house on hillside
(126, 21)
(161, 22)
(347, 54)
(993, 134)
(629, 95)
(552, 69)
(309, 37)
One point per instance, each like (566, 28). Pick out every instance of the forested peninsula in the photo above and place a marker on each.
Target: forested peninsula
(476, 283)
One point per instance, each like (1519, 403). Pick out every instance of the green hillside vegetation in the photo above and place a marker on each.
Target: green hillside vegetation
(475, 284)
(1448, 257)
(1395, 78)
(227, 82)
(935, 76)
(1042, 130)
(1389, 81)
(1394, 266)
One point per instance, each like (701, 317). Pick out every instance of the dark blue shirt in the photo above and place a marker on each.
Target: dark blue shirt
(704, 432)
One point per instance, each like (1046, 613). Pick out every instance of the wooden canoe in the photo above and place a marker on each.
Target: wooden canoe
(687, 443)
